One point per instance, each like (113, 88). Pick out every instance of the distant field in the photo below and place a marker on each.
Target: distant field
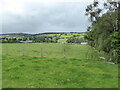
(42, 65)
(56, 37)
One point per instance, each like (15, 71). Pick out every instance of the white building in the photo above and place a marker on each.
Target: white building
(83, 43)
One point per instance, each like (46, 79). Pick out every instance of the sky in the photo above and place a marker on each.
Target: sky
(40, 16)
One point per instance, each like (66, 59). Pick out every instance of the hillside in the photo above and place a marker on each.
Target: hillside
(58, 37)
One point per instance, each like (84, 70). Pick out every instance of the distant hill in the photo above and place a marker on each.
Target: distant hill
(48, 37)
(23, 34)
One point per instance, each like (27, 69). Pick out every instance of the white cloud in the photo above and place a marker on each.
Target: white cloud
(0, 17)
(12, 6)
(18, 6)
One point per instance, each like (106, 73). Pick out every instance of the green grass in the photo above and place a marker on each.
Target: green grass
(0, 66)
(62, 40)
(80, 68)
(48, 50)
(29, 41)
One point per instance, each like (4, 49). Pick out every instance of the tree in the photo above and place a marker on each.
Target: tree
(92, 11)
(103, 34)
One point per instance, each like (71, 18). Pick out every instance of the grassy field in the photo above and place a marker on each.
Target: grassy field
(0, 66)
(49, 50)
(42, 65)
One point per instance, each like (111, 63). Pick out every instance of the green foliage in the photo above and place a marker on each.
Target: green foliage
(103, 34)
(93, 11)
(10, 40)
(40, 38)
(73, 40)
(115, 42)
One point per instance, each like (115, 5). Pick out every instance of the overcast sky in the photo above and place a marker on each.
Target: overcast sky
(38, 16)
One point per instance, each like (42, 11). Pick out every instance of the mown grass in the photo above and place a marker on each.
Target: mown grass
(55, 70)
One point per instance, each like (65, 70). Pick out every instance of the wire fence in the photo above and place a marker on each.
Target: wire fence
(51, 52)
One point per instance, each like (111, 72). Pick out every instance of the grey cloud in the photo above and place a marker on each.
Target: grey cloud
(59, 17)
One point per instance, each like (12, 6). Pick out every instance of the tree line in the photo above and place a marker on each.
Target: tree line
(44, 38)
(104, 32)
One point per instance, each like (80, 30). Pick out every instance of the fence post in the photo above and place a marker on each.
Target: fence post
(87, 54)
(23, 51)
(64, 53)
(41, 52)
(7, 51)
